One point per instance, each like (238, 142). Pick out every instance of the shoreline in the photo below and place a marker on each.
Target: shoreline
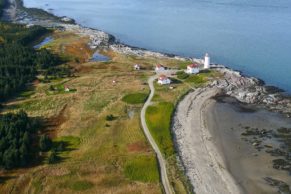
(101, 39)
(248, 90)
(242, 153)
(205, 166)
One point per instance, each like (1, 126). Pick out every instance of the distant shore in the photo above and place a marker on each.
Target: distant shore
(245, 89)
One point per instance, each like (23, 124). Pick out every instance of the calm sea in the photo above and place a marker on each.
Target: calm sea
(253, 36)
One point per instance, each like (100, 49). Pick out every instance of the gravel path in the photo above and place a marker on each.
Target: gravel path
(203, 163)
(162, 162)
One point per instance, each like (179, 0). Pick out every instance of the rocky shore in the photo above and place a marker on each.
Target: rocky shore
(251, 90)
(245, 89)
(248, 90)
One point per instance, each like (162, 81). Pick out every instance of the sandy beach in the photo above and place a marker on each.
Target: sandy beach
(204, 165)
(216, 157)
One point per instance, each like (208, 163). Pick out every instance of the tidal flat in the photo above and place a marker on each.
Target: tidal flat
(254, 143)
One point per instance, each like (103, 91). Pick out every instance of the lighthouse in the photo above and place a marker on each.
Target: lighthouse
(206, 61)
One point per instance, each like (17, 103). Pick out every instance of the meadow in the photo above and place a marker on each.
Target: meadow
(97, 154)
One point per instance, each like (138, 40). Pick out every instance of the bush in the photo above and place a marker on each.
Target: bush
(136, 98)
(110, 117)
(182, 75)
(53, 158)
(45, 143)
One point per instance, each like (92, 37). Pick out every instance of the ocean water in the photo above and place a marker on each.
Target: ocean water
(253, 36)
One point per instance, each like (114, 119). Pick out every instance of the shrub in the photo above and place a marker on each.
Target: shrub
(182, 75)
(136, 98)
(110, 117)
(45, 143)
(53, 158)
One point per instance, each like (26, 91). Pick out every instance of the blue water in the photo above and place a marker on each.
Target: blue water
(44, 42)
(98, 57)
(253, 36)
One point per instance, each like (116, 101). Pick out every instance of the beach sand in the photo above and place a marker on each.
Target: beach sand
(204, 165)
(216, 158)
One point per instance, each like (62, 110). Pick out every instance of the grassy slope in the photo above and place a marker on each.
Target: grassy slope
(158, 118)
(102, 156)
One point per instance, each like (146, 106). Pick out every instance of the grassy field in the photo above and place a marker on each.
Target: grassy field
(158, 119)
(136, 98)
(101, 155)
(98, 155)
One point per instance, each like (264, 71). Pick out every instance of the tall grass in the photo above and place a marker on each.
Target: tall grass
(158, 118)
(142, 168)
(135, 98)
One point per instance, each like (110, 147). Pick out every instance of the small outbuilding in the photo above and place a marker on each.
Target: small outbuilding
(159, 67)
(163, 80)
(67, 89)
(136, 67)
(192, 69)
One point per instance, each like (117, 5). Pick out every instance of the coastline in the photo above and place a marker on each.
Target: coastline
(248, 90)
(204, 164)
(240, 156)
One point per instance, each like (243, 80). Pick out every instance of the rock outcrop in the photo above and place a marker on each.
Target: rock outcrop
(251, 90)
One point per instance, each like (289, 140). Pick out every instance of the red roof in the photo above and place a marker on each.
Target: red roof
(159, 65)
(193, 65)
(163, 77)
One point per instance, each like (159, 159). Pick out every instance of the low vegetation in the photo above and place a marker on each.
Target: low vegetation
(97, 141)
(136, 98)
(182, 75)
(158, 119)
(142, 168)
(81, 185)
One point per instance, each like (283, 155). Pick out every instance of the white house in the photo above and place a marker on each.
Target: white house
(159, 67)
(136, 67)
(67, 89)
(192, 69)
(163, 80)
(206, 61)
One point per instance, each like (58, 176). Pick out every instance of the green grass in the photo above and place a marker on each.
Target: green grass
(197, 79)
(182, 75)
(142, 168)
(37, 184)
(136, 98)
(41, 105)
(158, 118)
(26, 94)
(99, 100)
(184, 64)
(70, 143)
(79, 185)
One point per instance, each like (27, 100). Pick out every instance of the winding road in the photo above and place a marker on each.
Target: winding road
(162, 162)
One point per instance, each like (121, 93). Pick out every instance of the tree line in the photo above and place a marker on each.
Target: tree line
(16, 139)
(19, 62)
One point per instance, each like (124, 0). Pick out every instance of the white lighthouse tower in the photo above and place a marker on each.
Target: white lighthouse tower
(206, 61)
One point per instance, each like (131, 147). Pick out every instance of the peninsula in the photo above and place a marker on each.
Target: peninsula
(121, 119)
